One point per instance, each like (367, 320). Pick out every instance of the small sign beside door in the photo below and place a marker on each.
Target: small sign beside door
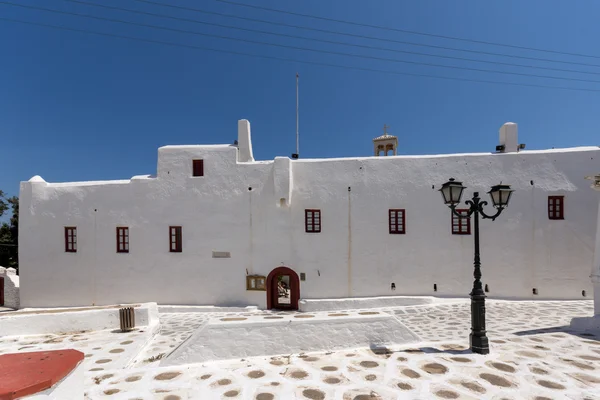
(256, 282)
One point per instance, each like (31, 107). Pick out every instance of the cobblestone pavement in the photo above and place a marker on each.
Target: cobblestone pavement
(175, 328)
(453, 321)
(533, 356)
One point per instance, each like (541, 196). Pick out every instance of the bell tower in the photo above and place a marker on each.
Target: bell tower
(385, 143)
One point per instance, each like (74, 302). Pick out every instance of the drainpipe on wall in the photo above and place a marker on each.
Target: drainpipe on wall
(95, 263)
(349, 243)
(251, 258)
(532, 276)
(595, 275)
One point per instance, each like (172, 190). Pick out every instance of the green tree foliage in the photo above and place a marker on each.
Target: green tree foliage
(9, 232)
(3, 203)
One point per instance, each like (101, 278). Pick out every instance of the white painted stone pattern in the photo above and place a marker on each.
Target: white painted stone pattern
(229, 338)
(11, 287)
(354, 255)
(309, 305)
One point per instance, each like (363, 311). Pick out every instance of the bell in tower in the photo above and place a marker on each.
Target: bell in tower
(385, 143)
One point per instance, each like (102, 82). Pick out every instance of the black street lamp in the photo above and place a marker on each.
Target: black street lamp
(500, 195)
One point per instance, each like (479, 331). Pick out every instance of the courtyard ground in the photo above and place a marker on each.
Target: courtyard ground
(534, 355)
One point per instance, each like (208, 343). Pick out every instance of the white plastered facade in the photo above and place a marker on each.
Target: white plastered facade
(254, 210)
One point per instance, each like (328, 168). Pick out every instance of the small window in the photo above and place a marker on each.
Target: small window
(122, 239)
(556, 207)
(70, 239)
(397, 221)
(461, 225)
(312, 221)
(198, 168)
(255, 282)
(175, 239)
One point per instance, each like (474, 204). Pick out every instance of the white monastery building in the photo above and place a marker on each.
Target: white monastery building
(216, 227)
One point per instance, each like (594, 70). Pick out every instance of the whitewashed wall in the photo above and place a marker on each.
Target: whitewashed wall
(11, 287)
(353, 256)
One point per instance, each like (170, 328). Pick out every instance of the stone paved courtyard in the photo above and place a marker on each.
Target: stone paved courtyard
(174, 329)
(534, 355)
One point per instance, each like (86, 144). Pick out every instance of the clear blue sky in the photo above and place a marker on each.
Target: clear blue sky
(75, 106)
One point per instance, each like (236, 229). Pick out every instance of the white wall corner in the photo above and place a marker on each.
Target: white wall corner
(27, 190)
(244, 141)
(509, 137)
(26, 193)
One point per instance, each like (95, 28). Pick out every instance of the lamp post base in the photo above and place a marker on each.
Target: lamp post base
(478, 338)
(479, 344)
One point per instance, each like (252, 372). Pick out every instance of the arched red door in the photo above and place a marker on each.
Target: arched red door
(283, 289)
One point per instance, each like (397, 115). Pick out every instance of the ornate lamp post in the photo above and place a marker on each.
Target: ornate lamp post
(500, 196)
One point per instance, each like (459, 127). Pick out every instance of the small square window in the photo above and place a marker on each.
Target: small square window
(461, 225)
(256, 282)
(397, 221)
(122, 239)
(556, 207)
(198, 168)
(70, 239)
(175, 239)
(312, 221)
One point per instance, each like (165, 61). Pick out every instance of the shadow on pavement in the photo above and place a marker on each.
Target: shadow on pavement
(560, 329)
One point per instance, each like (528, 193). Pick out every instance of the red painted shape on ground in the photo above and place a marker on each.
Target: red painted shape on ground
(23, 374)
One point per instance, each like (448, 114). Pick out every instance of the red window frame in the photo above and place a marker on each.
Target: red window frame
(463, 224)
(197, 167)
(71, 239)
(397, 221)
(122, 239)
(556, 207)
(175, 239)
(312, 220)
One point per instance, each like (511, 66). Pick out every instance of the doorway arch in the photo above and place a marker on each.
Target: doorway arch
(273, 292)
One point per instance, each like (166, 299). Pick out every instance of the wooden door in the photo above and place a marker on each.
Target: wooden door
(283, 289)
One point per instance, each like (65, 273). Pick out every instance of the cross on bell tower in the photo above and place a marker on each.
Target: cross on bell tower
(385, 143)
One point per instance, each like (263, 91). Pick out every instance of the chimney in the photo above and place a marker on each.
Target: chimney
(244, 141)
(509, 141)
